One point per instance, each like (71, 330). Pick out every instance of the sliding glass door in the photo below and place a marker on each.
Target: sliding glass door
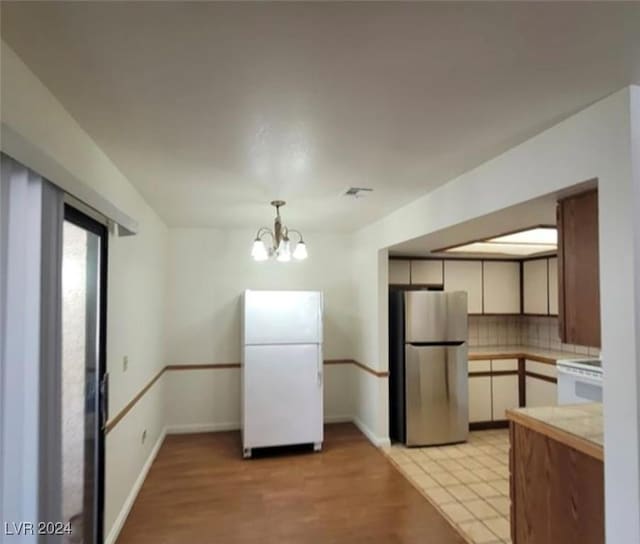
(84, 268)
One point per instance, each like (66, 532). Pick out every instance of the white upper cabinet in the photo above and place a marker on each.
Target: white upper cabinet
(553, 286)
(399, 272)
(535, 287)
(426, 272)
(465, 276)
(501, 287)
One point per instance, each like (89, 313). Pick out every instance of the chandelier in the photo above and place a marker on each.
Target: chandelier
(279, 244)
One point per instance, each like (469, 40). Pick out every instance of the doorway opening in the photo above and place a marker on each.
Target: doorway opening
(83, 394)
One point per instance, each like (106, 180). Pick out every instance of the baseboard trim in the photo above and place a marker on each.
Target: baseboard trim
(377, 441)
(487, 425)
(193, 428)
(120, 520)
(337, 419)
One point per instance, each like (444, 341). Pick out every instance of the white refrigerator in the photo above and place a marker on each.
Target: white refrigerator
(281, 369)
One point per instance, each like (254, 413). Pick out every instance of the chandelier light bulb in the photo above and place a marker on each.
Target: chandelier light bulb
(300, 252)
(284, 251)
(259, 251)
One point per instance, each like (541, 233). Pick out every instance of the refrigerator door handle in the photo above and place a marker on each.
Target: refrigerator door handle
(319, 371)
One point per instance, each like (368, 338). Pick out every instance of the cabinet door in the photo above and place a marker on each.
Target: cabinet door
(399, 272)
(465, 276)
(540, 392)
(505, 395)
(535, 288)
(479, 398)
(498, 365)
(553, 286)
(501, 287)
(578, 254)
(426, 272)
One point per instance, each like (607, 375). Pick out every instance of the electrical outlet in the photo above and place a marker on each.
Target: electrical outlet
(144, 435)
(125, 363)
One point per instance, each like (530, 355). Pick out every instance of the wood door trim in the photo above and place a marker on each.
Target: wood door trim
(571, 440)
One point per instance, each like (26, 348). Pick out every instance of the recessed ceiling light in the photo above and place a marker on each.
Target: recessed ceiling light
(522, 243)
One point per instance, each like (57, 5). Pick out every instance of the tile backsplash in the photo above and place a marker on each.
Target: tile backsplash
(536, 331)
(494, 330)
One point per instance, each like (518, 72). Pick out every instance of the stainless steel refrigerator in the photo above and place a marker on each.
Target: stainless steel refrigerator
(428, 368)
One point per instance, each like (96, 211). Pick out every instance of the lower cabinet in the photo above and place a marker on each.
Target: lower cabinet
(505, 395)
(538, 390)
(541, 393)
(494, 387)
(491, 390)
(479, 398)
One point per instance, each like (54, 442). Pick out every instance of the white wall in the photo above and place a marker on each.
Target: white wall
(594, 143)
(369, 269)
(137, 268)
(208, 271)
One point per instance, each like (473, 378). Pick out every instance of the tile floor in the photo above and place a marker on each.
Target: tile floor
(468, 483)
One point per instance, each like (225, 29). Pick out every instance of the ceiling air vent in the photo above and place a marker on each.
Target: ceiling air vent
(357, 192)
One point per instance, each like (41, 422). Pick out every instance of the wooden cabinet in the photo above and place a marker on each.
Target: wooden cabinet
(501, 287)
(426, 272)
(578, 262)
(479, 398)
(399, 272)
(465, 276)
(557, 490)
(535, 287)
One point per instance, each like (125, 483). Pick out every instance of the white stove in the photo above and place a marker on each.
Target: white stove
(579, 381)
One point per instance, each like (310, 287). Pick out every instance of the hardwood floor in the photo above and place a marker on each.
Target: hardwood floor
(200, 490)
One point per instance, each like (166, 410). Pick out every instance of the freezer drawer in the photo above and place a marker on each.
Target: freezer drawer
(436, 394)
(433, 316)
(282, 395)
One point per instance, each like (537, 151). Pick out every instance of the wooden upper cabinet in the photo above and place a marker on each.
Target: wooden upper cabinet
(399, 272)
(426, 272)
(535, 287)
(578, 262)
(465, 276)
(501, 287)
(553, 286)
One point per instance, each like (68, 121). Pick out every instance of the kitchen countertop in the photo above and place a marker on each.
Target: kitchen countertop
(579, 426)
(521, 351)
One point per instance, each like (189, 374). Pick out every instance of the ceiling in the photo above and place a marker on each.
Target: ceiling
(214, 109)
